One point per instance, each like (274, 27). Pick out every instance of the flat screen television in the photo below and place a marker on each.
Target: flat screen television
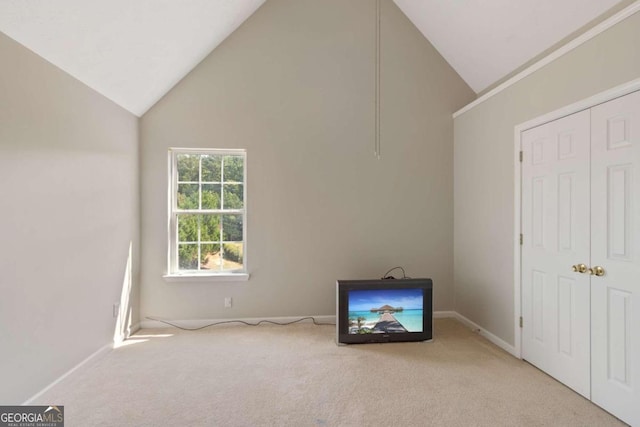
(389, 310)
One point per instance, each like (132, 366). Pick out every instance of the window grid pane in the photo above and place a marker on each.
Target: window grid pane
(206, 237)
(187, 228)
(187, 256)
(210, 196)
(210, 256)
(187, 167)
(225, 194)
(187, 196)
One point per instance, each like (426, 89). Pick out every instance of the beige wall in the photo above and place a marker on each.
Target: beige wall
(69, 210)
(294, 86)
(484, 171)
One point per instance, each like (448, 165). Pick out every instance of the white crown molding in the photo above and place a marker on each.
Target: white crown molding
(583, 38)
(592, 101)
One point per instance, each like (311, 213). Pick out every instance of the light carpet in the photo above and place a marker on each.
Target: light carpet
(297, 376)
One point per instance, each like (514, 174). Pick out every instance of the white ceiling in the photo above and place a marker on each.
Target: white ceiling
(484, 40)
(131, 51)
(135, 51)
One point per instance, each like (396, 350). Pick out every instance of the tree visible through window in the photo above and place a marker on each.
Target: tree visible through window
(207, 211)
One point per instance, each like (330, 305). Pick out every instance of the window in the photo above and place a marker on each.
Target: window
(207, 214)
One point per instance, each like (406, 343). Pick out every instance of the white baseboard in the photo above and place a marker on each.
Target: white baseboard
(133, 329)
(97, 355)
(488, 335)
(444, 314)
(199, 323)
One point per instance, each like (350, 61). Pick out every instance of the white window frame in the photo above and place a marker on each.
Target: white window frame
(173, 273)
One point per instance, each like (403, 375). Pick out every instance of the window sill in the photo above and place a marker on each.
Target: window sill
(222, 277)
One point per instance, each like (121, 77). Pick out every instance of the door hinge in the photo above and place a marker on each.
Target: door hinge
(521, 321)
(521, 238)
(521, 155)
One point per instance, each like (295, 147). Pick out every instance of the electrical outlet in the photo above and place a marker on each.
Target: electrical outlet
(116, 309)
(227, 302)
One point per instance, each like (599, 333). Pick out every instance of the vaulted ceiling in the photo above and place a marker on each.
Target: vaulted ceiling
(134, 51)
(484, 40)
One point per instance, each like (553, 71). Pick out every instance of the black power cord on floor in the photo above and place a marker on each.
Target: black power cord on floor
(222, 322)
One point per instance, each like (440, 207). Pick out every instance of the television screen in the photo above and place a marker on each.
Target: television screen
(384, 310)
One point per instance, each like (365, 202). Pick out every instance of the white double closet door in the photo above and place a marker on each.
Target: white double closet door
(581, 253)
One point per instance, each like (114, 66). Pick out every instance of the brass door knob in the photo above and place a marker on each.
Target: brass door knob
(582, 268)
(574, 268)
(598, 271)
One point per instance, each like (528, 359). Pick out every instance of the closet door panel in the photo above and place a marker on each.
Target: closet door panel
(555, 224)
(615, 247)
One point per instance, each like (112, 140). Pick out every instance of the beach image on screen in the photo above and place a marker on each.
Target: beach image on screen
(385, 311)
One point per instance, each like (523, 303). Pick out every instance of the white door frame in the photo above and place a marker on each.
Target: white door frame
(594, 100)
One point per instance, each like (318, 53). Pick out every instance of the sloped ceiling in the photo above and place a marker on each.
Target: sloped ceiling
(135, 51)
(131, 51)
(484, 40)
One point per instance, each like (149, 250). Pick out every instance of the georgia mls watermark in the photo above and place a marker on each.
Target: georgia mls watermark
(32, 416)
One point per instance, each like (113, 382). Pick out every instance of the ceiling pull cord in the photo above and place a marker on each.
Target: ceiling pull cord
(377, 150)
